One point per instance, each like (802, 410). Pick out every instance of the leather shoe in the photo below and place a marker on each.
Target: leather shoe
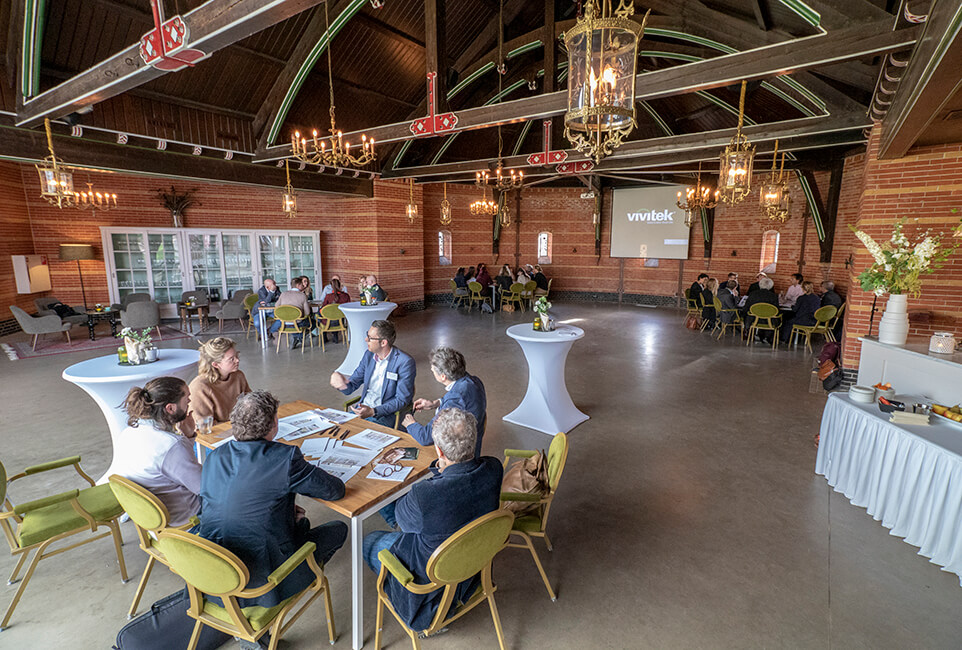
(295, 345)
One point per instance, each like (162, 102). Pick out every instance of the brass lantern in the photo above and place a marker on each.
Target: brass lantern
(735, 170)
(56, 182)
(412, 208)
(445, 208)
(773, 196)
(602, 52)
(697, 198)
(290, 199)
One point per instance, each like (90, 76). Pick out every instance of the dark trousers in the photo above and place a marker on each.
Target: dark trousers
(328, 537)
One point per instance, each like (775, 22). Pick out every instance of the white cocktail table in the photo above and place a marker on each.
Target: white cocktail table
(108, 383)
(547, 406)
(359, 318)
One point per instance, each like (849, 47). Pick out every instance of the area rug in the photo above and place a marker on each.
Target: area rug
(50, 344)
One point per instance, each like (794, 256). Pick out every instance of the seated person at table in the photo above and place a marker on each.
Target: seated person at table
(541, 281)
(460, 490)
(386, 373)
(247, 493)
(337, 296)
(754, 286)
(697, 287)
(732, 277)
(375, 289)
(521, 276)
(218, 383)
(788, 298)
(728, 297)
(484, 278)
(461, 390)
(328, 288)
(153, 453)
(267, 295)
(504, 279)
(295, 297)
(708, 300)
(763, 294)
(460, 279)
(469, 275)
(306, 287)
(830, 296)
(803, 313)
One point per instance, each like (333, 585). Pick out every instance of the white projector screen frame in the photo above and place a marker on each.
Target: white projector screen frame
(646, 222)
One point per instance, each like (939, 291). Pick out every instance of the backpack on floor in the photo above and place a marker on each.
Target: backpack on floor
(166, 626)
(486, 308)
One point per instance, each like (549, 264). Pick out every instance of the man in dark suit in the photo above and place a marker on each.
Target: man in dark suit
(461, 489)
(694, 292)
(763, 294)
(247, 495)
(386, 373)
(732, 277)
(754, 286)
(461, 390)
(830, 296)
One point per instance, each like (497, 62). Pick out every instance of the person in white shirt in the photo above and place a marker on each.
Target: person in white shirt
(328, 289)
(156, 449)
(794, 290)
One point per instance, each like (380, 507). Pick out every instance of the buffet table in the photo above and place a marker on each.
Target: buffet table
(907, 477)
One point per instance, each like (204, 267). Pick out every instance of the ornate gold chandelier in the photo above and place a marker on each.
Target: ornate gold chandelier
(445, 208)
(773, 196)
(484, 205)
(602, 52)
(339, 153)
(56, 184)
(290, 199)
(697, 198)
(412, 208)
(735, 170)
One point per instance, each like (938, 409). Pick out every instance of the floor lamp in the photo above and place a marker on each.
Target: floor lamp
(70, 252)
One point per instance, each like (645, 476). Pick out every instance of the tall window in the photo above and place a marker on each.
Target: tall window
(769, 251)
(444, 247)
(544, 248)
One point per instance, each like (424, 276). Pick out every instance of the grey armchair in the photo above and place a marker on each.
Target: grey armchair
(37, 325)
(142, 315)
(129, 298)
(233, 308)
(199, 296)
(43, 309)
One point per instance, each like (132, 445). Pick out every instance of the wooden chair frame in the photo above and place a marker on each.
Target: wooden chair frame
(15, 515)
(391, 565)
(289, 325)
(544, 505)
(240, 626)
(323, 329)
(773, 323)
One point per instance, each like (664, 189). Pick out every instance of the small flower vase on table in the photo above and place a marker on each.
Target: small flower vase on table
(133, 351)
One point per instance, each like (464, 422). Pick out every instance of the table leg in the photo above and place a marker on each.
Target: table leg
(263, 322)
(357, 583)
(90, 327)
(113, 326)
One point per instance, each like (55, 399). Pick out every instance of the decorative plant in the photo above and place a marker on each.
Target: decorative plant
(176, 203)
(132, 334)
(541, 305)
(899, 264)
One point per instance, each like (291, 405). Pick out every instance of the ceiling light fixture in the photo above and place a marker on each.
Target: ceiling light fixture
(735, 170)
(412, 207)
(774, 196)
(56, 184)
(290, 199)
(445, 208)
(697, 198)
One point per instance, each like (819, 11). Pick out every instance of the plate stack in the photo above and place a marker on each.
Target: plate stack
(862, 394)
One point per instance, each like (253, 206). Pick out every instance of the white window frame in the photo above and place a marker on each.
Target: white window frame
(445, 244)
(545, 259)
(769, 268)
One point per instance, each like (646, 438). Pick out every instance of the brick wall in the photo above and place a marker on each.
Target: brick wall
(15, 239)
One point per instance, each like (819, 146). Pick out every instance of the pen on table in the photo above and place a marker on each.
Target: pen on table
(334, 431)
(344, 435)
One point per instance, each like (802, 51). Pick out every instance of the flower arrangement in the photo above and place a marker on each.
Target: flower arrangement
(899, 263)
(132, 334)
(541, 305)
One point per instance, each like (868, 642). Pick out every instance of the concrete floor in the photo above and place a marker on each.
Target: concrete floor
(689, 514)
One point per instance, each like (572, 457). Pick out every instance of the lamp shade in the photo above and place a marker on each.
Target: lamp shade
(71, 252)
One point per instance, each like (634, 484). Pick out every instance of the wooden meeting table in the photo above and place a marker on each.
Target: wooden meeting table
(363, 496)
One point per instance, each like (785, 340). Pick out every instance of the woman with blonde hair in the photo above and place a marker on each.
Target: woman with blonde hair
(708, 299)
(219, 382)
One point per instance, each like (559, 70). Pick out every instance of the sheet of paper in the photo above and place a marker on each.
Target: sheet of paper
(371, 439)
(300, 425)
(314, 447)
(343, 473)
(386, 473)
(335, 416)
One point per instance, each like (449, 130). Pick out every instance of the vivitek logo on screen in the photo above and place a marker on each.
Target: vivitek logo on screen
(653, 216)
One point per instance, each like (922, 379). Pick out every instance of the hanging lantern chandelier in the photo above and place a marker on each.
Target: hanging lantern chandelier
(445, 208)
(316, 152)
(774, 196)
(290, 199)
(94, 200)
(602, 53)
(412, 208)
(697, 198)
(56, 184)
(504, 212)
(735, 170)
(484, 205)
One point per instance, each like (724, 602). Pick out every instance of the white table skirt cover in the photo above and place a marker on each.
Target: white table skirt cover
(359, 318)
(108, 383)
(547, 406)
(908, 477)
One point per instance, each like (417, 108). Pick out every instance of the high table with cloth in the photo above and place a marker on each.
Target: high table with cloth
(909, 477)
(547, 406)
(108, 382)
(359, 318)
(363, 496)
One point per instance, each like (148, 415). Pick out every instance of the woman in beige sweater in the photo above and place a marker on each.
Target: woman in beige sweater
(218, 382)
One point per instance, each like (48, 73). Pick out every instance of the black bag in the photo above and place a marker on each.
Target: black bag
(166, 626)
(829, 370)
(62, 310)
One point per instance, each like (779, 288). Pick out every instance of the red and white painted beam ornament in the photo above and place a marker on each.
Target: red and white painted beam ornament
(433, 124)
(548, 157)
(165, 46)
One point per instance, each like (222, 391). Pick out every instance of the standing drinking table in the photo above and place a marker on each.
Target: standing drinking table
(107, 382)
(547, 406)
(359, 318)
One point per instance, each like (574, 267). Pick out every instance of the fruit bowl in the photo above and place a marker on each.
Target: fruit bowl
(939, 411)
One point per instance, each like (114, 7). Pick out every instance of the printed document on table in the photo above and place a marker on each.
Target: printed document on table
(342, 473)
(300, 425)
(317, 446)
(371, 439)
(380, 470)
(335, 416)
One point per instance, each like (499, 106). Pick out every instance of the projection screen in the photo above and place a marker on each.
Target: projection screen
(646, 222)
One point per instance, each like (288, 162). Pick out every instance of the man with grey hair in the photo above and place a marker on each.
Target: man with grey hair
(764, 294)
(461, 390)
(830, 296)
(247, 492)
(461, 489)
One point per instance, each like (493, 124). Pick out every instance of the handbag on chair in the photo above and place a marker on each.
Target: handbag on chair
(527, 476)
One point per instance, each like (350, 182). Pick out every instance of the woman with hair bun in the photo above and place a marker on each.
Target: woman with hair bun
(219, 382)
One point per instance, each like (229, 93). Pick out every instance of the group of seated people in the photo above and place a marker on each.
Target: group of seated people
(503, 281)
(244, 493)
(797, 304)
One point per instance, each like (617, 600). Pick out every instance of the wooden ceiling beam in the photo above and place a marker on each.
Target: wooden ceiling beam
(931, 79)
(549, 39)
(762, 17)
(835, 14)
(31, 146)
(760, 63)
(14, 31)
(214, 25)
(389, 31)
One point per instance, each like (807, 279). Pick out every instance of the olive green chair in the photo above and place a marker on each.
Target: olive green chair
(533, 525)
(736, 321)
(211, 570)
(332, 321)
(37, 525)
(691, 305)
(290, 317)
(477, 294)
(249, 302)
(466, 553)
(528, 292)
(150, 516)
(823, 318)
(514, 294)
(767, 318)
(834, 323)
(458, 294)
(704, 322)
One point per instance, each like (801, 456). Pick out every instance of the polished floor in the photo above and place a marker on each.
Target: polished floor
(689, 515)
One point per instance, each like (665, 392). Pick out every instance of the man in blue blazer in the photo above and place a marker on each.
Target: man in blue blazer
(461, 390)
(247, 495)
(386, 373)
(461, 489)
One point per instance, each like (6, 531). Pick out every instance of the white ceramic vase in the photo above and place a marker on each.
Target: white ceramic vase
(133, 351)
(545, 322)
(894, 326)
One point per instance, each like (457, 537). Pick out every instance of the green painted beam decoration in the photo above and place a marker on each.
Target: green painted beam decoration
(34, 17)
(812, 205)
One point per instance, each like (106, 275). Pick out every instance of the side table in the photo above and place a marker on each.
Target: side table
(107, 314)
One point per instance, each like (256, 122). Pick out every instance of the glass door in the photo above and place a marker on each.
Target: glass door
(238, 263)
(130, 263)
(205, 263)
(273, 258)
(302, 258)
(168, 279)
